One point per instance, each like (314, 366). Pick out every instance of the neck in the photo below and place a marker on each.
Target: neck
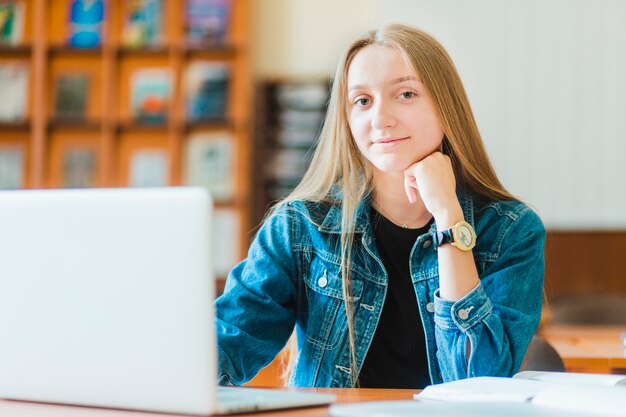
(389, 199)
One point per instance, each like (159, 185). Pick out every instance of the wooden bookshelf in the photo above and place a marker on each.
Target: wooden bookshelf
(108, 126)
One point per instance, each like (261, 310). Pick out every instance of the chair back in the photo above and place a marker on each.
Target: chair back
(542, 356)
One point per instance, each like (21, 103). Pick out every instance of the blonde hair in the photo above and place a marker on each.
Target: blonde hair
(337, 162)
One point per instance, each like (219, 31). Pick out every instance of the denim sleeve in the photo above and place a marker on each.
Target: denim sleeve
(255, 315)
(500, 315)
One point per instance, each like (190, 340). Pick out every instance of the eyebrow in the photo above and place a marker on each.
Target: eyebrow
(395, 81)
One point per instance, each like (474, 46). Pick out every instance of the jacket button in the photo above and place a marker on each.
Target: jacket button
(322, 282)
(463, 314)
(430, 307)
(426, 243)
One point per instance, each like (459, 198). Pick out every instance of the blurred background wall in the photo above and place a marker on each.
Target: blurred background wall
(304, 39)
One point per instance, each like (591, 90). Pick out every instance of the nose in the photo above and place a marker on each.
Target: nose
(381, 118)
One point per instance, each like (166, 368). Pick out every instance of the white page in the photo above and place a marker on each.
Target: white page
(575, 378)
(440, 409)
(481, 389)
(604, 401)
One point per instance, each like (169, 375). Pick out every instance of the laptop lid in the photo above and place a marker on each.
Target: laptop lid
(106, 298)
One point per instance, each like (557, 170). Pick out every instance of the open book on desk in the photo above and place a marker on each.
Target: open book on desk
(595, 394)
(527, 394)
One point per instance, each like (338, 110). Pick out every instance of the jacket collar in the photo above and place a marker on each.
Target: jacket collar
(332, 221)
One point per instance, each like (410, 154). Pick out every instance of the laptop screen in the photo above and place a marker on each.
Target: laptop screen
(106, 298)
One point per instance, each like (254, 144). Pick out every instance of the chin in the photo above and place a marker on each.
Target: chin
(391, 163)
(392, 166)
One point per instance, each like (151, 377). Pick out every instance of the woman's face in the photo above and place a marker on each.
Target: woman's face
(391, 116)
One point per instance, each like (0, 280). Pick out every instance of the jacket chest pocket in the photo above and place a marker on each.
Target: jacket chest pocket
(327, 314)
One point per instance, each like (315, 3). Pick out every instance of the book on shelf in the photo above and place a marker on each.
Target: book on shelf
(206, 91)
(276, 191)
(295, 137)
(71, 96)
(151, 89)
(207, 22)
(143, 23)
(79, 167)
(299, 114)
(225, 240)
(302, 119)
(86, 18)
(148, 168)
(302, 96)
(14, 88)
(11, 167)
(289, 165)
(210, 163)
(11, 22)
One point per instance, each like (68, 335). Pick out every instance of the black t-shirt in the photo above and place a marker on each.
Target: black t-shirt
(397, 356)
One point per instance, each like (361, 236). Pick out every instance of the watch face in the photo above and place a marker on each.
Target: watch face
(464, 234)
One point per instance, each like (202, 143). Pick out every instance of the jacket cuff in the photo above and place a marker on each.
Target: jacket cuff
(464, 313)
(224, 380)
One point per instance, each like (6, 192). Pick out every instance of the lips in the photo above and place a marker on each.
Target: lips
(388, 141)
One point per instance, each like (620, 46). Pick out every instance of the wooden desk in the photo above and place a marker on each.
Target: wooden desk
(588, 348)
(344, 395)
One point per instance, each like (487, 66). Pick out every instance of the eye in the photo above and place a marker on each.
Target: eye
(362, 101)
(407, 95)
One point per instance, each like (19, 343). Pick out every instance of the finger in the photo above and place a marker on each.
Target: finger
(409, 189)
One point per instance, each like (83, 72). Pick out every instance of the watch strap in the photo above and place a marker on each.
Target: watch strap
(442, 237)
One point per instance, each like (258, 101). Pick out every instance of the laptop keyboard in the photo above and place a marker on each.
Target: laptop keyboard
(238, 395)
(249, 399)
(231, 394)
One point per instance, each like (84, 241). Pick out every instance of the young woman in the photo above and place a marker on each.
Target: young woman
(400, 259)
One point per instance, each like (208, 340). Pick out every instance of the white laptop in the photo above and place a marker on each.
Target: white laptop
(106, 299)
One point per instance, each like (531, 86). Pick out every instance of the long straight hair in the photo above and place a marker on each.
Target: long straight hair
(337, 162)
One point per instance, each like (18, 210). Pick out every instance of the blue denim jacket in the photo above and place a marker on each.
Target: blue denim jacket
(291, 277)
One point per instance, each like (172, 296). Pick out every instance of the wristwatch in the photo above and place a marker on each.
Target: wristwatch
(461, 235)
